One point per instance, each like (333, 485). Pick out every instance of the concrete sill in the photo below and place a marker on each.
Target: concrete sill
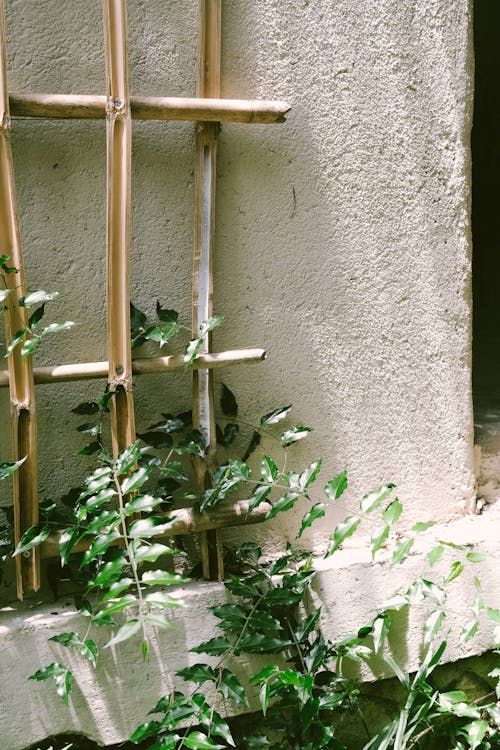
(106, 705)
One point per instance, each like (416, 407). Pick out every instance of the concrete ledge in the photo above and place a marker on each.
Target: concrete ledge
(106, 705)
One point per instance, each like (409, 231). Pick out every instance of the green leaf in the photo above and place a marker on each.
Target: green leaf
(381, 626)
(89, 650)
(100, 545)
(373, 499)
(109, 572)
(317, 511)
(36, 317)
(258, 643)
(259, 494)
(210, 323)
(137, 318)
(128, 459)
(294, 434)
(284, 503)
(198, 673)
(213, 647)
(192, 350)
(193, 444)
(422, 526)
(174, 470)
(29, 346)
(230, 687)
(493, 614)
(378, 538)
(4, 293)
(67, 541)
(434, 554)
(342, 532)
(32, 538)
(232, 616)
(455, 570)
(268, 469)
(456, 702)
(307, 477)
(144, 731)
(432, 625)
(162, 600)
(118, 605)
(60, 675)
(228, 402)
(129, 629)
(37, 296)
(199, 741)
(145, 528)
(6, 469)
(142, 504)
(467, 631)
(66, 639)
(162, 334)
(477, 557)
(336, 486)
(476, 731)
(135, 480)
(151, 552)
(402, 551)
(162, 578)
(393, 511)
(274, 416)
(57, 327)
(158, 621)
(15, 340)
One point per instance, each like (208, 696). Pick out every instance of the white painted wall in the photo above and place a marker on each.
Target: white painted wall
(343, 241)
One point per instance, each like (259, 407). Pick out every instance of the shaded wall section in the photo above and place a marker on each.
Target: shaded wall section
(486, 225)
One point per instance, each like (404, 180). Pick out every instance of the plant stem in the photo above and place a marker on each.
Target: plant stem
(130, 554)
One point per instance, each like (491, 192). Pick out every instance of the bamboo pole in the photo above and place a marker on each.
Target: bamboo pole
(172, 363)
(91, 107)
(185, 521)
(22, 397)
(209, 53)
(119, 141)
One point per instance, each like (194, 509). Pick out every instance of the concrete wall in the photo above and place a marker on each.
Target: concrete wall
(342, 235)
(343, 242)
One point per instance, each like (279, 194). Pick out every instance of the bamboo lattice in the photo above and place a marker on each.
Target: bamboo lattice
(119, 108)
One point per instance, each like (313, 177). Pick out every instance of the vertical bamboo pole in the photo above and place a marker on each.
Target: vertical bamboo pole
(23, 418)
(119, 140)
(22, 397)
(206, 148)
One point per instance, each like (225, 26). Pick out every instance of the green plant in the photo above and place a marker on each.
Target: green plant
(303, 687)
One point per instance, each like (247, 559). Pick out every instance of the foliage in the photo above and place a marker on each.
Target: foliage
(112, 527)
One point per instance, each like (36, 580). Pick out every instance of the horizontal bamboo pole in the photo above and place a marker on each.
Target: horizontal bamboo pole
(96, 370)
(93, 107)
(187, 521)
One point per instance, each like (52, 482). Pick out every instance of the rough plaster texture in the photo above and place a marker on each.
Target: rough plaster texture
(342, 235)
(342, 246)
(108, 704)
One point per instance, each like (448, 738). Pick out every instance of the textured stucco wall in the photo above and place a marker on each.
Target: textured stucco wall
(342, 235)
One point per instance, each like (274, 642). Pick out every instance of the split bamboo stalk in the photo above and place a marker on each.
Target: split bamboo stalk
(209, 53)
(172, 363)
(119, 141)
(187, 521)
(22, 397)
(92, 107)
